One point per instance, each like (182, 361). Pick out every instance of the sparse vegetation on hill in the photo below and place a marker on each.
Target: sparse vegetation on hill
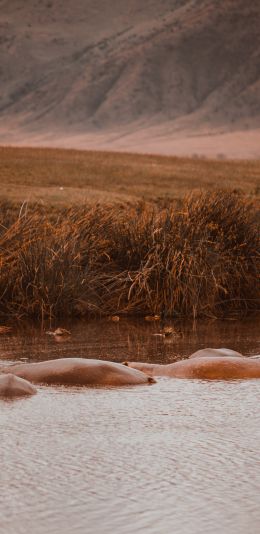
(164, 68)
(201, 259)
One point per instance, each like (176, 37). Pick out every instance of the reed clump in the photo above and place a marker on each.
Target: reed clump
(200, 259)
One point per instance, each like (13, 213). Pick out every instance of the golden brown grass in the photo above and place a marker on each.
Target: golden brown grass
(133, 242)
(201, 259)
(61, 177)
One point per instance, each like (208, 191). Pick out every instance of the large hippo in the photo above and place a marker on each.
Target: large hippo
(13, 386)
(79, 371)
(208, 364)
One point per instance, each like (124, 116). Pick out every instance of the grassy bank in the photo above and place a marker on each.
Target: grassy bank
(198, 259)
(61, 177)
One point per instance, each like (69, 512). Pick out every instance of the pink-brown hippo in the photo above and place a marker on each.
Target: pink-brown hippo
(14, 386)
(216, 352)
(79, 371)
(207, 364)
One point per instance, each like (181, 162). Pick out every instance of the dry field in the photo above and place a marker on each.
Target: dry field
(103, 233)
(57, 177)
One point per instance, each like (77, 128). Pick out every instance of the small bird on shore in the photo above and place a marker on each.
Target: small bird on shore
(152, 318)
(114, 318)
(168, 331)
(59, 332)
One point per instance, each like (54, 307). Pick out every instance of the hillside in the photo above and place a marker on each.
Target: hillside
(110, 75)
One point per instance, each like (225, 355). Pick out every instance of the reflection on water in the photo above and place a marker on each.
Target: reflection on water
(130, 340)
(179, 456)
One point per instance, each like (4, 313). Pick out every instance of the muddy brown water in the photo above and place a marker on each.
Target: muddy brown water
(178, 456)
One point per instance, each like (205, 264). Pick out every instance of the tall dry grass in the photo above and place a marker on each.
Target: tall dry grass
(201, 259)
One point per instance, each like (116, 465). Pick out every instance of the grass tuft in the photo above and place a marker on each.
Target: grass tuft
(198, 259)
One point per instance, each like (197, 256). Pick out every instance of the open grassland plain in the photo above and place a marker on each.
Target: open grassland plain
(87, 233)
(57, 177)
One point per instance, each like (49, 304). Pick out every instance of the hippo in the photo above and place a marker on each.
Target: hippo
(207, 364)
(14, 386)
(79, 371)
(216, 352)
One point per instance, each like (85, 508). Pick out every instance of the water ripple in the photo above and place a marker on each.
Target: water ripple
(179, 456)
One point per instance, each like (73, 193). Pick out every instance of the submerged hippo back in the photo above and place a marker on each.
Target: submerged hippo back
(218, 368)
(79, 371)
(13, 386)
(207, 368)
(208, 352)
(111, 373)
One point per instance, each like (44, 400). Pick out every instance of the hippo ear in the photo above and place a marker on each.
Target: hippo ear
(151, 380)
(125, 363)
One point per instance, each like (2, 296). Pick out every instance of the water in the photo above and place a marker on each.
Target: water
(178, 456)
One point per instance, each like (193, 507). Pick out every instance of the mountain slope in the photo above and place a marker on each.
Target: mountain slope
(185, 67)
